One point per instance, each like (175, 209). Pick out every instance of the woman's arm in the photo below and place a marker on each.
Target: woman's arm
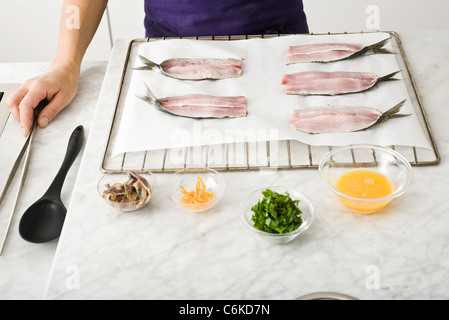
(79, 22)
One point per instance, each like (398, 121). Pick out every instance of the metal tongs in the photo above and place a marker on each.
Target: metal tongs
(24, 152)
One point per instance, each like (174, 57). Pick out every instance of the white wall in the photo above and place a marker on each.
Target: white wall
(394, 15)
(29, 28)
(29, 31)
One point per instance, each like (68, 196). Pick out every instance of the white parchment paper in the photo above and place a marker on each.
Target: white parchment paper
(142, 127)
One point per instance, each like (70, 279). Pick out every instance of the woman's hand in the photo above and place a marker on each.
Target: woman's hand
(58, 86)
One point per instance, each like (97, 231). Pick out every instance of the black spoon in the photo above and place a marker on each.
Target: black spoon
(43, 221)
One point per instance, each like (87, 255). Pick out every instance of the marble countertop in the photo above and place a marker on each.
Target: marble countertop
(25, 268)
(163, 253)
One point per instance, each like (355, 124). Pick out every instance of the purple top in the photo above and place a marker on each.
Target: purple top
(189, 18)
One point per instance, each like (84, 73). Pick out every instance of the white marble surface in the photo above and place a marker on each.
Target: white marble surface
(24, 267)
(163, 253)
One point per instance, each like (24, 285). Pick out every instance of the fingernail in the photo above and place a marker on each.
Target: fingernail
(44, 122)
(24, 131)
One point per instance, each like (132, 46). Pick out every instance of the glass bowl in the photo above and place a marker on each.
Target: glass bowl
(110, 179)
(305, 205)
(387, 162)
(188, 178)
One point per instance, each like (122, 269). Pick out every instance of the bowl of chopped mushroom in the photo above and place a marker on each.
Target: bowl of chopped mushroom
(129, 190)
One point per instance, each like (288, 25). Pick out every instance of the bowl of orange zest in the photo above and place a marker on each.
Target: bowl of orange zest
(196, 190)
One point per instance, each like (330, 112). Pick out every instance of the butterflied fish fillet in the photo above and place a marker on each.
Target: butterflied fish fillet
(330, 52)
(205, 106)
(196, 69)
(331, 83)
(341, 119)
(200, 106)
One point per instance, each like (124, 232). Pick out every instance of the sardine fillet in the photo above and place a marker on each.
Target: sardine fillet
(325, 52)
(329, 52)
(328, 83)
(334, 119)
(197, 69)
(205, 106)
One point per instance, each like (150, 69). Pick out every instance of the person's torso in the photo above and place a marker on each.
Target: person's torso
(223, 17)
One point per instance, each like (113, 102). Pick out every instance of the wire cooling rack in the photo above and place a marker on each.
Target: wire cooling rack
(278, 155)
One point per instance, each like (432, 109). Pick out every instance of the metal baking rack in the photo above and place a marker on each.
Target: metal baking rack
(270, 155)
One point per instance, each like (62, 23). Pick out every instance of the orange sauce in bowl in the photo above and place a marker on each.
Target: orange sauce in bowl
(364, 184)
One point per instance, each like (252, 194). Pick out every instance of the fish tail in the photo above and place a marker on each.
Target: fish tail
(148, 64)
(392, 113)
(150, 98)
(383, 51)
(379, 47)
(388, 77)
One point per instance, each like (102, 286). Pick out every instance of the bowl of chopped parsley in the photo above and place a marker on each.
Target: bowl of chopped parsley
(277, 214)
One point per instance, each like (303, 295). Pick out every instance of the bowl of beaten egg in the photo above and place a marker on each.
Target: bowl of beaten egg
(366, 178)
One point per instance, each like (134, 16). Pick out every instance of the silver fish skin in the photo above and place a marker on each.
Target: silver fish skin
(341, 119)
(331, 83)
(332, 52)
(195, 69)
(198, 106)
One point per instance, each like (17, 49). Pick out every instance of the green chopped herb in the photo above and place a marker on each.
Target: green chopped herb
(276, 213)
